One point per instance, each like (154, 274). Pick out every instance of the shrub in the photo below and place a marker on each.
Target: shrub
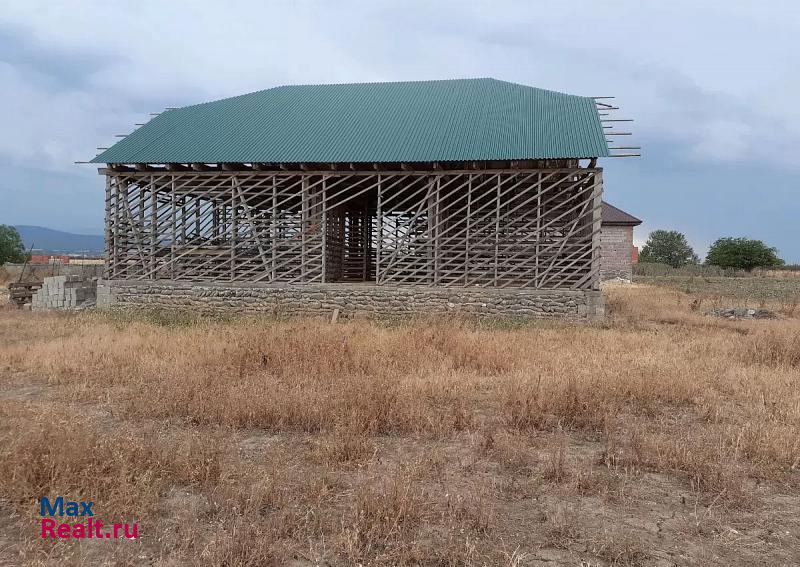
(743, 253)
(668, 247)
(11, 247)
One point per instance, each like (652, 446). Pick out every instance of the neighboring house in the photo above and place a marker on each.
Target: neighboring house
(617, 252)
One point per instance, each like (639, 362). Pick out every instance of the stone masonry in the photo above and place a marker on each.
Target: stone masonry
(616, 246)
(64, 292)
(350, 299)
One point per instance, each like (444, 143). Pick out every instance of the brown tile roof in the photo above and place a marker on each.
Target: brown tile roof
(613, 216)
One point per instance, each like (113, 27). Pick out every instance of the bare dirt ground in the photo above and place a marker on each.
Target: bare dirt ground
(662, 436)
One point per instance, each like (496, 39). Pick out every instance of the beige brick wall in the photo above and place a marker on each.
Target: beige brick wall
(616, 243)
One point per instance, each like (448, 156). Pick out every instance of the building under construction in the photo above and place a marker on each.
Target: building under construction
(472, 195)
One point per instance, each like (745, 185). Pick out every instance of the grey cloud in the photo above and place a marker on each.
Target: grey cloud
(711, 85)
(41, 62)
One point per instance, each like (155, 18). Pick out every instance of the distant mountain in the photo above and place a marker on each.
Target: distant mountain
(50, 240)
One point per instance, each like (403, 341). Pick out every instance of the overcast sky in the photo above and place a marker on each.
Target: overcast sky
(712, 88)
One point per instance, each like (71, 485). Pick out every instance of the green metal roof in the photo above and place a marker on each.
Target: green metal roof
(421, 121)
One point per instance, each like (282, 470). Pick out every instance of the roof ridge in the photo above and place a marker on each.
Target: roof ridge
(347, 84)
(374, 83)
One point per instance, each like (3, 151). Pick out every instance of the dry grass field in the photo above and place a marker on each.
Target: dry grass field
(661, 436)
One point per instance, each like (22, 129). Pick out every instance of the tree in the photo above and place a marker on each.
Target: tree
(742, 253)
(668, 247)
(11, 247)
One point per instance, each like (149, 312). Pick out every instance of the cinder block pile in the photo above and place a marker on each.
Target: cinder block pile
(65, 292)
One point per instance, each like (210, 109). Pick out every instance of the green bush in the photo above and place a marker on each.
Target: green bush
(742, 253)
(11, 247)
(668, 247)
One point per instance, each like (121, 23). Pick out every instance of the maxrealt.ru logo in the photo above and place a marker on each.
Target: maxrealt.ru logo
(88, 527)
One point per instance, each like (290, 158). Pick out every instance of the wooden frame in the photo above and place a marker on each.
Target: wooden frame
(527, 228)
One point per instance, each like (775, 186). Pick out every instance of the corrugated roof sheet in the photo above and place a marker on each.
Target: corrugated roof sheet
(612, 215)
(452, 120)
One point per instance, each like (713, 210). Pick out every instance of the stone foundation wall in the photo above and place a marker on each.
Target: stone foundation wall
(350, 299)
(616, 252)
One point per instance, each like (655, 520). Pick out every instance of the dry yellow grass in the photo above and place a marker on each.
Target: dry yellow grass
(662, 436)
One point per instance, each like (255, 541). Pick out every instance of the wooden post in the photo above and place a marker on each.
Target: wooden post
(366, 237)
(597, 222)
(153, 224)
(379, 215)
(109, 234)
(467, 233)
(234, 228)
(197, 231)
(274, 226)
(304, 213)
(142, 206)
(173, 226)
(538, 230)
(122, 231)
(215, 222)
(183, 214)
(497, 232)
(430, 210)
(324, 230)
